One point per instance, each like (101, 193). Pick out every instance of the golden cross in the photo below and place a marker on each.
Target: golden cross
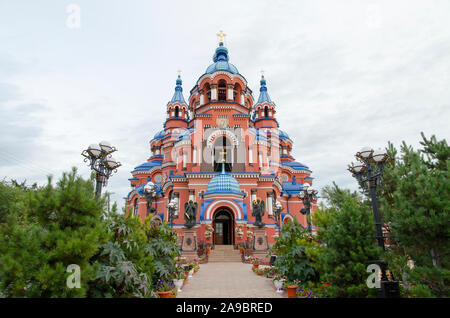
(223, 153)
(179, 72)
(221, 35)
(262, 72)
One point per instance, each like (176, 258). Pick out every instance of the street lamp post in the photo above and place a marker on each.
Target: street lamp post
(308, 195)
(173, 207)
(101, 161)
(278, 207)
(369, 174)
(150, 195)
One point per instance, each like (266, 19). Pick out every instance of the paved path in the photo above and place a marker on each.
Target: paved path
(228, 280)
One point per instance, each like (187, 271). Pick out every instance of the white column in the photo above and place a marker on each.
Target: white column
(202, 99)
(184, 159)
(230, 94)
(253, 195)
(260, 160)
(213, 93)
(194, 155)
(270, 204)
(242, 99)
(250, 154)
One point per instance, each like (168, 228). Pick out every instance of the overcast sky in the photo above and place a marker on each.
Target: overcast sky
(343, 74)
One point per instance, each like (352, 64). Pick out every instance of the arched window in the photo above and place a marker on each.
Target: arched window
(222, 90)
(266, 111)
(135, 207)
(177, 111)
(222, 149)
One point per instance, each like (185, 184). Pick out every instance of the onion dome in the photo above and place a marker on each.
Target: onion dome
(283, 135)
(221, 63)
(186, 135)
(223, 183)
(178, 95)
(263, 95)
(295, 165)
(160, 135)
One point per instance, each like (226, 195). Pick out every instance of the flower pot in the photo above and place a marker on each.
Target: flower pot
(255, 266)
(291, 291)
(179, 284)
(191, 272)
(163, 294)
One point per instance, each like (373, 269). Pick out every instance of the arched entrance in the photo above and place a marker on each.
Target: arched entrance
(223, 227)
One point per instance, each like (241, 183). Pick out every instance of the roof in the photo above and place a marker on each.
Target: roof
(260, 135)
(283, 135)
(148, 165)
(223, 183)
(140, 188)
(292, 187)
(160, 135)
(263, 95)
(186, 135)
(178, 95)
(295, 165)
(221, 63)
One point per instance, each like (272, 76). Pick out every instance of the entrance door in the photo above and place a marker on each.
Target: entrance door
(223, 228)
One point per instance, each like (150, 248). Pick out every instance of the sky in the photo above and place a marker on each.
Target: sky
(343, 75)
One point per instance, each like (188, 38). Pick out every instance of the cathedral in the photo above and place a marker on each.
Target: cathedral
(221, 170)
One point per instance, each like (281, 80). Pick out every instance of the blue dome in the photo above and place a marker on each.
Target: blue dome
(160, 135)
(295, 165)
(283, 135)
(221, 63)
(260, 135)
(223, 183)
(186, 135)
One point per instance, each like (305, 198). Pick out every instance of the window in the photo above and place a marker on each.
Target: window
(177, 111)
(222, 91)
(266, 112)
(135, 207)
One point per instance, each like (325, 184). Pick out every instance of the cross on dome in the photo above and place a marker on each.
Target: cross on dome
(221, 35)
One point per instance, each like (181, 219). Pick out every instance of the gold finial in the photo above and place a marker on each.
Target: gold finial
(262, 72)
(221, 35)
(179, 72)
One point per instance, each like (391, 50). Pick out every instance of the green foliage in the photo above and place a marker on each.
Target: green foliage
(43, 230)
(162, 245)
(346, 227)
(292, 261)
(125, 267)
(415, 200)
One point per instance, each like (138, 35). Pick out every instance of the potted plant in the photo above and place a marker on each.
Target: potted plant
(291, 287)
(278, 281)
(164, 288)
(173, 293)
(179, 278)
(255, 263)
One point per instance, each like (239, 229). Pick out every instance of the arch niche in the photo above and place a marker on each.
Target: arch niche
(223, 224)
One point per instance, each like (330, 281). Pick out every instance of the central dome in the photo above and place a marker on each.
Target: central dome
(223, 183)
(221, 63)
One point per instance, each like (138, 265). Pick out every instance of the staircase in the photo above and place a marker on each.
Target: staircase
(224, 253)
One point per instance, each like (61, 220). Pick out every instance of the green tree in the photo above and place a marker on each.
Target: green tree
(290, 248)
(43, 231)
(415, 200)
(347, 228)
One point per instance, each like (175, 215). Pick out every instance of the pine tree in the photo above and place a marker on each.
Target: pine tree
(415, 200)
(346, 227)
(44, 231)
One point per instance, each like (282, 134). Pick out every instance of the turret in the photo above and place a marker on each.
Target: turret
(177, 109)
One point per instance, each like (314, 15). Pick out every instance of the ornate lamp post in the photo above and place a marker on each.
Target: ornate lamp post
(308, 195)
(150, 195)
(369, 173)
(277, 208)
(101, 161)
(173, 209)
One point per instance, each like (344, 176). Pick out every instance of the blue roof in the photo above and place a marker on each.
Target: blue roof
(221, 63)
(263, 95)
(186, 135)
(260, 135)
(178, 95)
(283, 135)
(160, 135)
(223, 183)
(295, 165)
(292, 187)
(148, 165)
